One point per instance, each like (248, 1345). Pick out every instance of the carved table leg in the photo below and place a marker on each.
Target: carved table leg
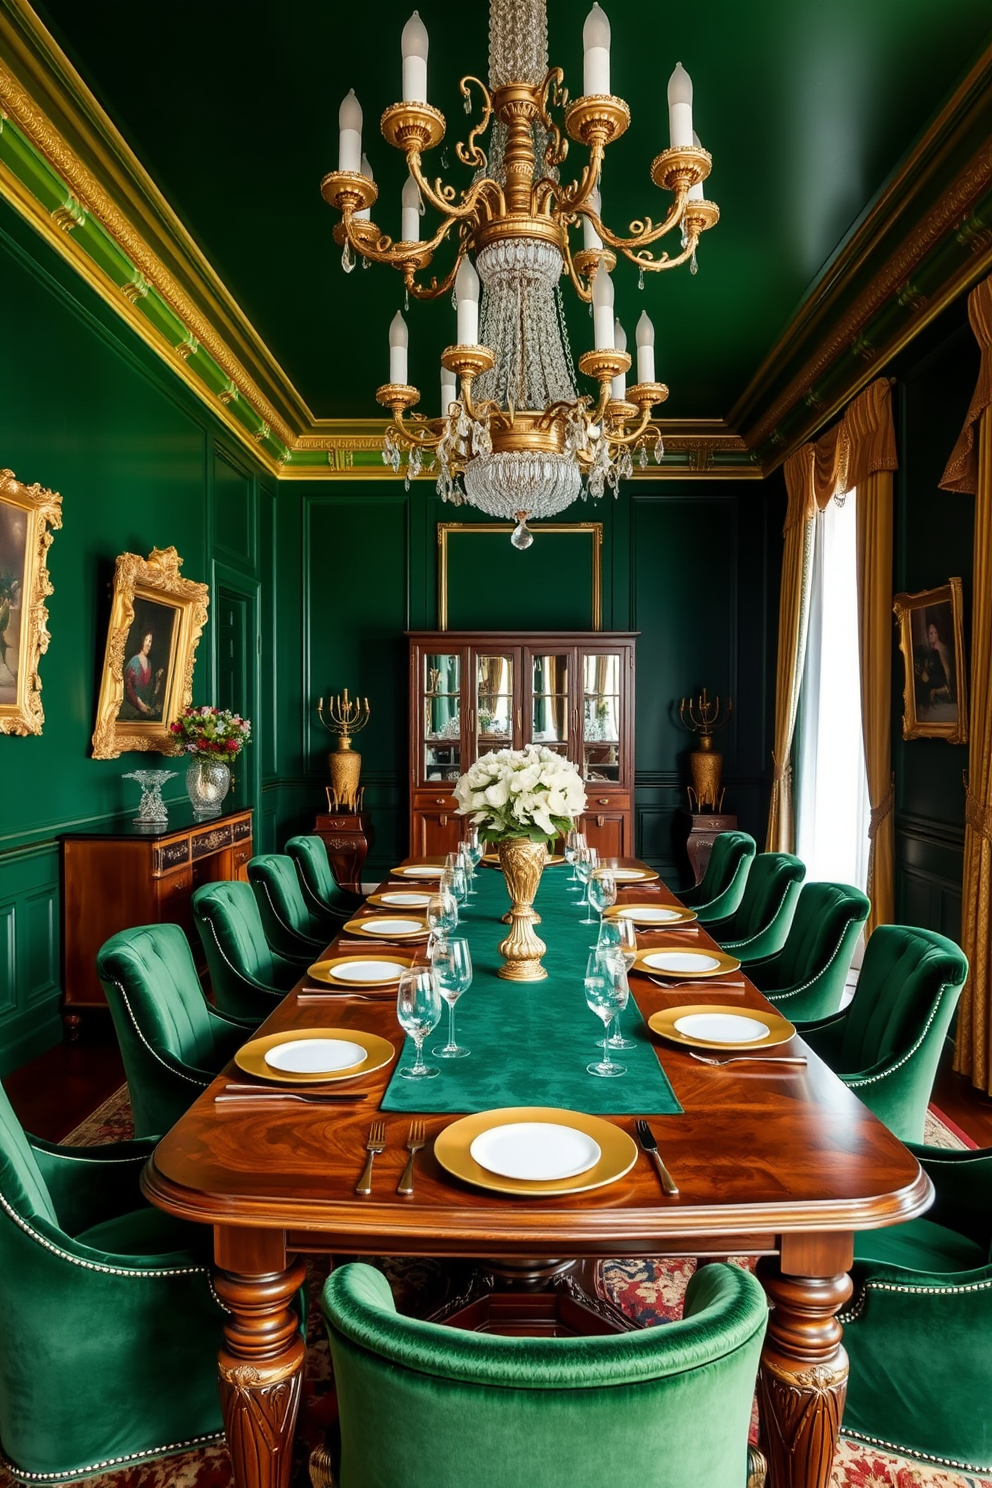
(803, 1378)
(261, 1373)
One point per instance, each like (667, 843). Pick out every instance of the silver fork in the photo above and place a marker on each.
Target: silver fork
(750, 1058)
(416, 1140)
(671, 984)
(375, 1144)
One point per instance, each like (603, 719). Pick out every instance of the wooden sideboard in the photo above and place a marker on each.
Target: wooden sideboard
(347, 837)
(472, 692)
(128, 875)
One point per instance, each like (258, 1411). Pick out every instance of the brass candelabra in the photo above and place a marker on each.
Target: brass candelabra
(344, 717)
(704, 719)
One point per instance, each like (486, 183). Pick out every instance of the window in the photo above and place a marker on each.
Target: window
(832, 810)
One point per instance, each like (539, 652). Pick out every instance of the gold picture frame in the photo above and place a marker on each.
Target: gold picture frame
(156, 619)
(931, 638)
(28, 517)
(446, 531)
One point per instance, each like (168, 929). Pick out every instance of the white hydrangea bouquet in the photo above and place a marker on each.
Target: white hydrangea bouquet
(531, 792)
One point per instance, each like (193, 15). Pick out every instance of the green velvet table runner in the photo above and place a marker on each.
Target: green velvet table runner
(531, 1041)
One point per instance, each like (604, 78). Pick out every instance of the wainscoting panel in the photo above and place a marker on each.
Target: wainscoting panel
(929, 867)
(29, 953)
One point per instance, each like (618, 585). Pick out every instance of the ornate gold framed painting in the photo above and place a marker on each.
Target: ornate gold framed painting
(931, 638)
(28, 517)
(156, 618)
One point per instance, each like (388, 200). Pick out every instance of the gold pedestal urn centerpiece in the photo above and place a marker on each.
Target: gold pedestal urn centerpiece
(520, 800)
(344, 718)
(704, 719)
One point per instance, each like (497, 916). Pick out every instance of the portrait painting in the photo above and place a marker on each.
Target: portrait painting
(28, 515)
(156, 619)
(932, 643)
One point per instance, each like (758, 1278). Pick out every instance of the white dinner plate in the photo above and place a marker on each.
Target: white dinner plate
(681, 961)
(376, 925)
(420, 870)
(722, 1028)
(369, 972)
(631, 874)
(314, 1056)
(536, 1151)
(405, 900)
(648, 914)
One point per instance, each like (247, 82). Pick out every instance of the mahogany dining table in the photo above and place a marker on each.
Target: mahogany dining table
(782, 1163)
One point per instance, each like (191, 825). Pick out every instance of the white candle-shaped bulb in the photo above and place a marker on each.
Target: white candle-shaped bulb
(645, 348)
(602, 311)
(414, 44)
(680, 107)
(399, 340)
(366, 212)
(413, 204)
(449, 390)
(590, 237)
(350, 134)
(467, 301)
(618, 391)
(696, 192)
(596, 52)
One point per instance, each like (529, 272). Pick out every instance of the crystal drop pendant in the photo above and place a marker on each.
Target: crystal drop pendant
(406, 299)
(640, 278)
(444, 158)
(693, 266)
(642, 458)
(522, 537)
(347, 259)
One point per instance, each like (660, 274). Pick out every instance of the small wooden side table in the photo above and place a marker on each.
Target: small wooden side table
(347, 835)
(698, 831)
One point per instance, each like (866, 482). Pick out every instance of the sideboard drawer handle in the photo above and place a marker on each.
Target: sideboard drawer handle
(602, 800)
(440, 800)
(601, 821)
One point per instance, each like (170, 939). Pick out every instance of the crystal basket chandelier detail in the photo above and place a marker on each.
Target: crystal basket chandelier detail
(515, 437)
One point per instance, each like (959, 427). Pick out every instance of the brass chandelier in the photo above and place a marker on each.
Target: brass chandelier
(515, 438)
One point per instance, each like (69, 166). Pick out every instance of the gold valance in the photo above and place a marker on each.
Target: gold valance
(862, 443)
(961, 473)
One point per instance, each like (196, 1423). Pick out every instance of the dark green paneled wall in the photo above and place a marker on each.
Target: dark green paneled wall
(86, 410)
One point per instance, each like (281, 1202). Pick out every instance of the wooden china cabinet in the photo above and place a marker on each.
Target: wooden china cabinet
(472, 692)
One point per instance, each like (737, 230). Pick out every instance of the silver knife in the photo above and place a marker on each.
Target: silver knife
(647, 1140)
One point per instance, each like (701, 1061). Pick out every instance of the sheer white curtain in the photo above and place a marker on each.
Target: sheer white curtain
(832, 810)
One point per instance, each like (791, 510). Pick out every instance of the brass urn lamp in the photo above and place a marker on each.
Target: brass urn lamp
(704, 719)
(344, 718)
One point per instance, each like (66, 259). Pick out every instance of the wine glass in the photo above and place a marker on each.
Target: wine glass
(452, 963)
(465, 859)
(586, 861)
(474, 847)
(453, 879)
(602, 891)
(442, 915)
(618, 940)
(573, 841)
(606, 995)
(418, 1009)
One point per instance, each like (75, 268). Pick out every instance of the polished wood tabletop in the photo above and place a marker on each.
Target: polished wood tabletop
(784, 1162)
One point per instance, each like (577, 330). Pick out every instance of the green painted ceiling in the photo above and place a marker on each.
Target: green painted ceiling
(806, 105)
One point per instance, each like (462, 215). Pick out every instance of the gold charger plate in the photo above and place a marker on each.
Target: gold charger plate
(491, 860)
(676, 914)
(418, 872)
(251, 1056)
(323, 971)
(618, 1153)
(361, 927)
(625, 875)
(384, 900)
(724, 961)
(780, 1030)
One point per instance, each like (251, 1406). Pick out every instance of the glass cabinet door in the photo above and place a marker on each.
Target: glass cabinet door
(493, 702)
(550, 683)
(601, 717)
(442, 720)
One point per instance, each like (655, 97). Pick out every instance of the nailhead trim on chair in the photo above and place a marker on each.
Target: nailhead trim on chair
(288, 928)
(200, 1084)
(729, 945)
(237, 969)
(73, 1260)
(855, 1311)
(146, 1456)
(901, 1449)
(884, 1074)
(804, 986)
(725, 890)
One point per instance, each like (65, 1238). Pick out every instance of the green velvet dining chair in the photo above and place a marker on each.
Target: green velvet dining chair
(721, 888)
(329, 904)
(886, 1043)
(109, 1324)
(806, 979)
(764, 917)
(289, 927)
(172, 1041)
(918, 1324)
(655, 1408)
(248, 978)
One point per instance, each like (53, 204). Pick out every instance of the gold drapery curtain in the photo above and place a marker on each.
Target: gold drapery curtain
(858, 451)
(970, 470)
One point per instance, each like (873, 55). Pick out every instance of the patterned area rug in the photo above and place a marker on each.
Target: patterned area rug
(650, 1292)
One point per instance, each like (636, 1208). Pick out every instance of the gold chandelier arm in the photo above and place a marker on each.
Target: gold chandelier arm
(432, 290)
(442, 198)
(635, 434)
(574, 198)
(418, 433)
(469, 152)
(553, 94)
(643, 230)
(644, 260)
(582, 288)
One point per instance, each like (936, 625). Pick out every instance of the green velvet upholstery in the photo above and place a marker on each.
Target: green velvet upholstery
(287, 922)
(324, 897)
(172, 1041)
(248, 978)
(424, 1406)
(109, 1328)
(806, 979)
(918, 1325)
(764, 918)
(721, 889)
(886, 1043)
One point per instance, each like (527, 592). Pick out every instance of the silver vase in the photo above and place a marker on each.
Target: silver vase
(208, 781)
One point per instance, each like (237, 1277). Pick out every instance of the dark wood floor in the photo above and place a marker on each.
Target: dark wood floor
(59, 1089)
